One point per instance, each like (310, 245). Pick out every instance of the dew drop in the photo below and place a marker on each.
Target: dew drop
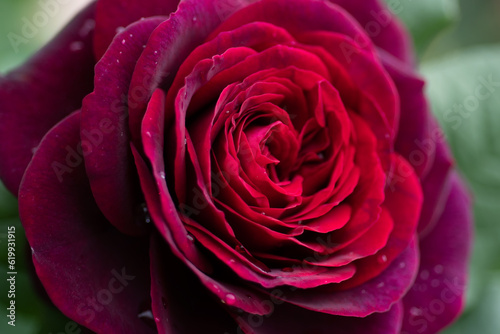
(195, 18)
(240, 249)
(263, 213)
(190, 237)
(156, 52)
(131, 35)
(380, 285)
(185, 141)
(287, 270)
(123, 41)
(146, 314)
(148, 134)
(118, 61)
(163, 175)
(230, 299)
(227, 111)
(144, 46)
(119, 29)
(382, 258)
(143, 214)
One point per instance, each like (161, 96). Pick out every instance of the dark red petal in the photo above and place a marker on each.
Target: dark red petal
(239, 296)
(169, 46)
(93, 274)
(307, 322)
(436, 186)
(382, 26)
(42, 92)
(414, 141)
(376, 295)
(403, 201)
(111, 15)
(438, 294)
(104, 129)
(181, 304)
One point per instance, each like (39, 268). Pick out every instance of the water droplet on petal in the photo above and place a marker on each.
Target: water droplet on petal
(230, 299)
(382, 258)
(131, 35)
(118, 61)
(123, 41)
(194, 18)
(163, 175)
(119, 29)
(240, 249)
(147, 317)
(190, 237)
(380, 285)
(156, 52)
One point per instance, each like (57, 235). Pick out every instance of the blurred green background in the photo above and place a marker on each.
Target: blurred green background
(458, 45)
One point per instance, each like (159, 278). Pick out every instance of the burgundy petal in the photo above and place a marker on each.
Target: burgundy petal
(181, 304)
(376, 295)
(93, 274)
(416, 139)
(111, 15)
(382, 26)
(319, 323)
(36, 96)
(104, 129)
(438, 294)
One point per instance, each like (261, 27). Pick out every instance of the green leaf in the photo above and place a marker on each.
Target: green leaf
(425, 19)
(464, 91)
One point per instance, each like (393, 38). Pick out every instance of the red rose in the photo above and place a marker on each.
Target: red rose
(238, 166)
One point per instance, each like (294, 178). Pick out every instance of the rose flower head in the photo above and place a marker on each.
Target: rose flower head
(236, 166)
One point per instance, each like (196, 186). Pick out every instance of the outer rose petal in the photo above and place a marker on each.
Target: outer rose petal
(34, 97)
(81, 260)
(382, 26)
(181, 304)
(113, 14)
(437, 296)
(320, 323)
(104, 129)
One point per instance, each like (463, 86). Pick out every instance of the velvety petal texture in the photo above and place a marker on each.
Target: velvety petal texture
(236, 166)
(93, 273)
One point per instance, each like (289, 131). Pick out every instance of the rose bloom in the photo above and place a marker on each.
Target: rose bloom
(236, 166)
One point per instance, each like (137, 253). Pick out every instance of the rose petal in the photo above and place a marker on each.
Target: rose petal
(93, 274)
(376, 295)
(36, 96)
(111, 15)
(104, 129)
(181, 304)
(384, 28)
(320, 323)
(438, 294)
